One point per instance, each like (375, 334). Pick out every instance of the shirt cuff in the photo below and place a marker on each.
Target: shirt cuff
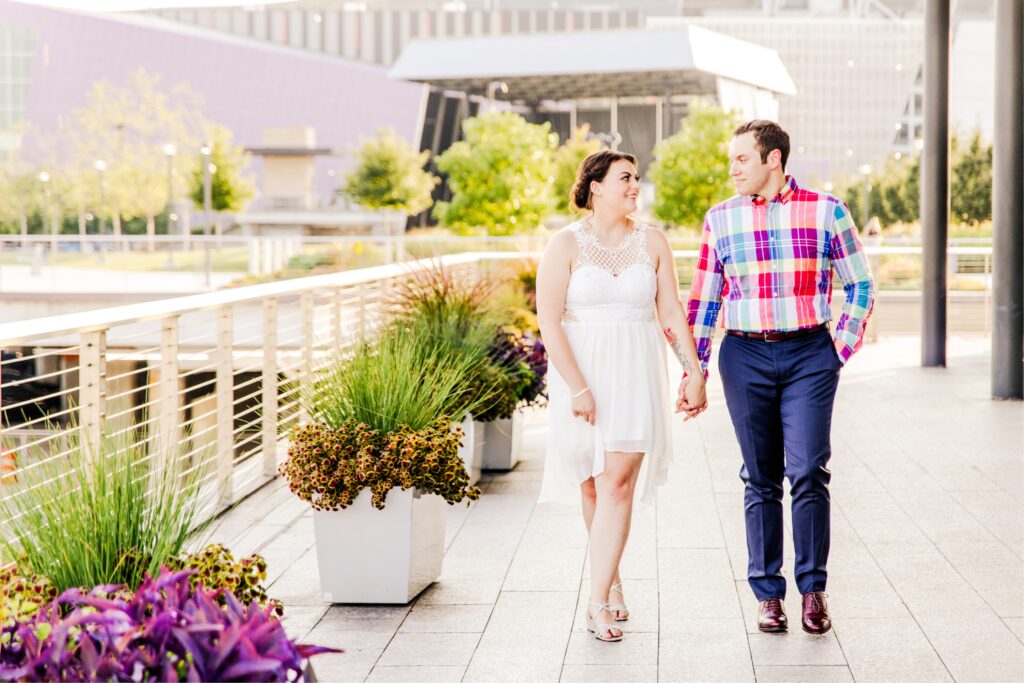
(843, 351)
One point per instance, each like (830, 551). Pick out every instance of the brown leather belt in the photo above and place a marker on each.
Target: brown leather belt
(779, 335)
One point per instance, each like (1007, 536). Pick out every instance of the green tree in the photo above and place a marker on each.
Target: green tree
(691, 169)
(911, 193)
(971, 181)
(894, 194)
(567, 161)
(127, 126)
(230, 190)
(900, 191)
(500, 175)
(389, 175)
(22, 198)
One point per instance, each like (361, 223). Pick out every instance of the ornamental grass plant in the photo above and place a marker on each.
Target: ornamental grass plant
(381, 419)
(438, 299)
(404, 379)
(491, 317)
(458, 315)
(99, 515)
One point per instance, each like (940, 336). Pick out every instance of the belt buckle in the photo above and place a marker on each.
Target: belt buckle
(764, 335)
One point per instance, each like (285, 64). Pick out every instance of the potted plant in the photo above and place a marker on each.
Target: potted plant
(164, 630)
(108, 513)
(100, 589)
(523, 360)
(439, 306)
(379, 463)
(517, 350)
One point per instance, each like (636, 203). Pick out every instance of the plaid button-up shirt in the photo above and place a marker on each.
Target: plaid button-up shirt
(770, 264)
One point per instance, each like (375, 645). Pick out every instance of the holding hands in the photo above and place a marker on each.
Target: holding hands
(692, 398)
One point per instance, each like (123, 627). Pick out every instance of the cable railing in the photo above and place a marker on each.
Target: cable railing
(253, 259)
(216, 379)
(221, 375)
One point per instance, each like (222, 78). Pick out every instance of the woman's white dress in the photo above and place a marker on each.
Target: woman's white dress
(611, 321)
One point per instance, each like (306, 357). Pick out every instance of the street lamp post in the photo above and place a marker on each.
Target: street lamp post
(492, 90)
(865, 170)
(170, 150)
(207, 208)
(101, 229)
(44, 179)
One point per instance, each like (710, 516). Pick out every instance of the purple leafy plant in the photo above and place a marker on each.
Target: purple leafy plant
(166, 631)
(524, 356)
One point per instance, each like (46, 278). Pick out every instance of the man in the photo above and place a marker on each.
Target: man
(772, 250)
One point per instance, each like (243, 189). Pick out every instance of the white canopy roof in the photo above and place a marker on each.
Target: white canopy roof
(576, 65)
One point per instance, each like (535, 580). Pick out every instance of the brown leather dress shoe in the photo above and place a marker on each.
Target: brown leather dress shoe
(771, 618)
(816, 619)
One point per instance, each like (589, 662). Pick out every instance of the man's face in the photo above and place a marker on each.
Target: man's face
(748, 173)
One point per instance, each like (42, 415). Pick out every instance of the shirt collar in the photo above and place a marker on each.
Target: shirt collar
(784, 195)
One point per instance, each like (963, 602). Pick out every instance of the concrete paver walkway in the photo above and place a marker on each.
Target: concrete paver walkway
(926, 570)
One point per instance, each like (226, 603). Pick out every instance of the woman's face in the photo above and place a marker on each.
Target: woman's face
(618, 192)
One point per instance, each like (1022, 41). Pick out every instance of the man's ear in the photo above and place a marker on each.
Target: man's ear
(775, 159)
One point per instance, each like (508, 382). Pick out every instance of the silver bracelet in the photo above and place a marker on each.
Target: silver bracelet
(581, 392)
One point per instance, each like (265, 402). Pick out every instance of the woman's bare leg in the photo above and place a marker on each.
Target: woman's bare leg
(609, 527)
(588, 494)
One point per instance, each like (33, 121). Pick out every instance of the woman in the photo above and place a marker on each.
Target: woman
(604, 285)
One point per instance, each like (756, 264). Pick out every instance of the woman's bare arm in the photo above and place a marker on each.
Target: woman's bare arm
(552, 282)
(671, 314)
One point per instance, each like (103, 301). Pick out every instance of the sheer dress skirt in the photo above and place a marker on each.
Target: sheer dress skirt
(625, 368)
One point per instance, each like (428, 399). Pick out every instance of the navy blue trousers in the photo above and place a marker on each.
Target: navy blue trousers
(780, 397)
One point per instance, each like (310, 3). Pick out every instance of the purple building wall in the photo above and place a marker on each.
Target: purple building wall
(246, 85)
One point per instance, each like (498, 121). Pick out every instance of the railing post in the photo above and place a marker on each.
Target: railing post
(225, 390)
(363, 288)
(92, 388)
(336, 317)
(307, 374)
(167, 403)
(269, 386)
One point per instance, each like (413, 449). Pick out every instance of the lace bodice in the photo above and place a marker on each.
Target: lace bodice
(592, 252)
(611, 284)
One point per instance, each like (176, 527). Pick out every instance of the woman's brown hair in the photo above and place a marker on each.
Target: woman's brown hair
(594, 167)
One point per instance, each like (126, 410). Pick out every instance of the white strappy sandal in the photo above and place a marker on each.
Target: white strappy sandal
(620, 606)
(600, 631)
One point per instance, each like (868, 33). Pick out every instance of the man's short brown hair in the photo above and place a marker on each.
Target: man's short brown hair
(768, 135)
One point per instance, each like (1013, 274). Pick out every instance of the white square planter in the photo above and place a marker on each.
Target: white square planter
(366, 555)
(502, 442)
(472, 449)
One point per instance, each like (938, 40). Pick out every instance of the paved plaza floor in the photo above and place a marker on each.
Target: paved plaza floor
(926, 570)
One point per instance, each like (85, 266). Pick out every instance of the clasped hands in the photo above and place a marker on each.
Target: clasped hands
(692, 398)
(692, 401)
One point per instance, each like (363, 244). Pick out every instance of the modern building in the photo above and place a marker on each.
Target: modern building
(50, 58)
(632, 86)
(855, 63)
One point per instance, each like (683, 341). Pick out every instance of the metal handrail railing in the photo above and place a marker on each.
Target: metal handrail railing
(221, 373)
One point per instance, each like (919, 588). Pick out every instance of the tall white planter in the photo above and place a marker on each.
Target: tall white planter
(366, 555)
(472, 449)
(502, 442)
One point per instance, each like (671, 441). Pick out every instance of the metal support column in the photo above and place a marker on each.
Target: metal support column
(935, 182)
(1008, 204)
(615, 124)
